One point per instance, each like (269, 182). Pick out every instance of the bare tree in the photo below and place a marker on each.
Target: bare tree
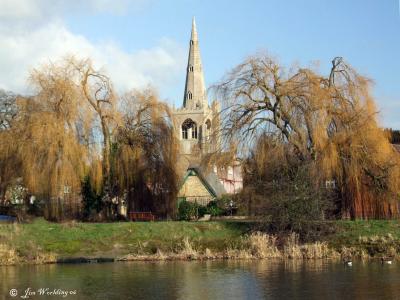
(99, 94)
(330, 120)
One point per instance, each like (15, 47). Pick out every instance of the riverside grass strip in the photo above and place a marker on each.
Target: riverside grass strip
(45, 242)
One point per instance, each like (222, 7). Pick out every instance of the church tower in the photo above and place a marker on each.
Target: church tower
(195, 122)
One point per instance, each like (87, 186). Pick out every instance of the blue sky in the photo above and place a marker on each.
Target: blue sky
(150, 38)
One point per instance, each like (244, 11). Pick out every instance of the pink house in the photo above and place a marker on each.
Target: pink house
(231, 177)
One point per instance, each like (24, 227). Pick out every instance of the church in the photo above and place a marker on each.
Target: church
(196, 125)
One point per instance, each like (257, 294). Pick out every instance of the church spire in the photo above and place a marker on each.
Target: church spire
(193, 36)
(195, 93)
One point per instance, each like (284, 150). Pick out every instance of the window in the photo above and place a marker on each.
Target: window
(230, 170)
(184, 133)
(208, 129)
(191, 42)
(190, 68)
(194, 132)
(189, 129)
(189, 95)
(330, 184)
(208, 124)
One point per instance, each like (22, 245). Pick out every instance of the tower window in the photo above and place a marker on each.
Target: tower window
(194, 132)
(189, 129)
(191, 42)
(208, 129)
(190, 68)
(189, 95)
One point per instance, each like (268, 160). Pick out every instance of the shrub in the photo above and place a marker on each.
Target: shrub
(214, 209)
(202, 210)
(188, 211)
(289, 200)
(191, 210)
(92, 201)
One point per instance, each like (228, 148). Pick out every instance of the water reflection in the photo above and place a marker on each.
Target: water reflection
(261, 279)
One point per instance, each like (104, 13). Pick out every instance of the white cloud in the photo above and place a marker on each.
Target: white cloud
(27, 44)
(18, 10)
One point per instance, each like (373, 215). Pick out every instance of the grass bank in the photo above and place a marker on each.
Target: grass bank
(42, 241)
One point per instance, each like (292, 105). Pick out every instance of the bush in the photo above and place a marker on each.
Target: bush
(191, 210)
(292, 202)
(202, 210)
(92, 201)
(188, 211)
(214, 209)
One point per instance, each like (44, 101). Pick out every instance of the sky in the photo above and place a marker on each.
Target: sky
(145, 42)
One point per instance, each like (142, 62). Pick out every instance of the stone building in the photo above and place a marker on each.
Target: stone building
(197, 126)
(195, 122)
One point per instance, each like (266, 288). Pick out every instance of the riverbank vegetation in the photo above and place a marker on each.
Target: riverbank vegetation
(44, 242)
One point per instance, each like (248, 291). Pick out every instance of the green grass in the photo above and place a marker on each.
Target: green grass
(348, 232)
(374, 238)
(74, 239)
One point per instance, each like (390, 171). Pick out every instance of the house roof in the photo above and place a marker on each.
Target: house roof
(210, 181)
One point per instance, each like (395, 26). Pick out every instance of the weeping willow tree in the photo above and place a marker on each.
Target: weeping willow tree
(42, 143)
(146, 154)
(74, 135)
(83, 101)
(328, 122)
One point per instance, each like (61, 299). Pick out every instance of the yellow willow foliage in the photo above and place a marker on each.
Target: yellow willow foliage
(329, 121)
(129, 165)
(366, 166)
(56, 90)
(50, 155)
(146, 153)
(95, 172)
(84, 100)
(49, 139)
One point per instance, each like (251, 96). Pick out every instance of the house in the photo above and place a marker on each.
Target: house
(200, 188)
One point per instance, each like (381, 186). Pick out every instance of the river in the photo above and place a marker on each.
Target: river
(261, 279)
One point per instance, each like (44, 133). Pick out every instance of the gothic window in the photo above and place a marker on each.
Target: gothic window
(189, 95)
(208, 129)
(194, 132)
(208, 124)
(190, 68)
(189, 129)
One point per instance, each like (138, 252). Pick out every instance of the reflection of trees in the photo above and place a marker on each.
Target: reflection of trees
(245, 279)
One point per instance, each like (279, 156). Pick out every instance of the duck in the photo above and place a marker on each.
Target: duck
(386, 260)
(348, 262)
